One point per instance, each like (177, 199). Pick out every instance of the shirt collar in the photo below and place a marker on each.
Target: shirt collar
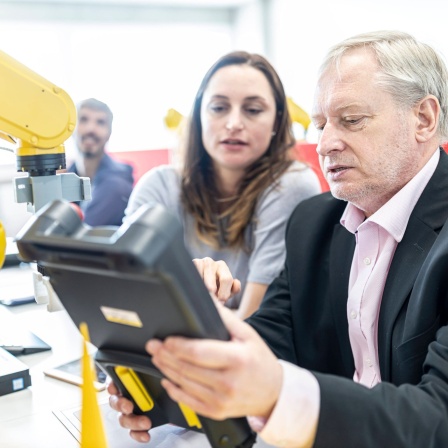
(394, 215)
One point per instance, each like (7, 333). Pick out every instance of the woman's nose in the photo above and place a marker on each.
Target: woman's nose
(234, 122)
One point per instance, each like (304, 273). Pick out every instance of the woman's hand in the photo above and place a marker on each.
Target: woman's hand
(217, 278)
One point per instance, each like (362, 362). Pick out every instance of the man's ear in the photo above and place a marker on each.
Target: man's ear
(427, 113)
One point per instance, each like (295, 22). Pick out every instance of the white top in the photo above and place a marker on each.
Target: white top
(264, 235)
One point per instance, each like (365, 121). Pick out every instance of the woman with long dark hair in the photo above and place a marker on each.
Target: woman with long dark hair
(237, 184)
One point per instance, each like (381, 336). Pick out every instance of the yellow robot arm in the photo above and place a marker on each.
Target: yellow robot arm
(297, 114)
(38, 116)
(173, 119)
(33, 109)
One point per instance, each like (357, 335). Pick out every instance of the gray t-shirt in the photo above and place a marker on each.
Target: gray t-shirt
(264, 236)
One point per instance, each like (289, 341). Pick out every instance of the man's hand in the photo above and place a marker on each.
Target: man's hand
(220, 379)
(139, 425)
(217, 278)
(217, 379)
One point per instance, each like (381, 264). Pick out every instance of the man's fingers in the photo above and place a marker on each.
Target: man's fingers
(112, 389)
(237, 328)
(198, 405)
(206, 353)
(140, 436)
(186, 374)
(121, 404)
(194, 351)
(197, 386)
(135, 422)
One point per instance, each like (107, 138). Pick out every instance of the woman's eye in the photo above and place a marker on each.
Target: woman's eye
(254, 111)
(217, 109)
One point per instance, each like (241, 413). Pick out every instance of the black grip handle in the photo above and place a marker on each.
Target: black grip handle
(230, 433)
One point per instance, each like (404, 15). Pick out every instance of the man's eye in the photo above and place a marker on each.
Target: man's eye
(353, 120)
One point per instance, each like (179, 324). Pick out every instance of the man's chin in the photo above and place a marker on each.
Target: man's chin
(89, 154)
(344, 194)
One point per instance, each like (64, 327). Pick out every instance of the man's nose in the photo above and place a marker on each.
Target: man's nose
(330, 139)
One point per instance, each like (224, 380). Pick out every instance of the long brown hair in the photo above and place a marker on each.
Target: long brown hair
(199, 192)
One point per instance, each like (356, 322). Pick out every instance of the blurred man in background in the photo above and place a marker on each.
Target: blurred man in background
(112, 181)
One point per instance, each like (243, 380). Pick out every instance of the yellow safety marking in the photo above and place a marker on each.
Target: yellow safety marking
(135, 387)
(120, 316)
(190, 416)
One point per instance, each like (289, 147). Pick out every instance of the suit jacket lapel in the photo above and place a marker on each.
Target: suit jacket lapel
(341, 255)
(427, 218)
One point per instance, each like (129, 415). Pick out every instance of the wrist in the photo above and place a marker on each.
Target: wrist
(258, 421)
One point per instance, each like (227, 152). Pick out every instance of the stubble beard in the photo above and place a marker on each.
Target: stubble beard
(392, 172)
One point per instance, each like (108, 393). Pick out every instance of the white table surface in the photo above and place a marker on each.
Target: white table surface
(32, 417)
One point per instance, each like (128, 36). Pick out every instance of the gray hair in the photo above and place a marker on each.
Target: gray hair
(95, 104)
(409, 69)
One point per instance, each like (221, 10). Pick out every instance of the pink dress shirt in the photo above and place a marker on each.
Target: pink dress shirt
(293, 421)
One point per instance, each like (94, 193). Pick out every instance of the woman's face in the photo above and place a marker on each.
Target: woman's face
(238, 114)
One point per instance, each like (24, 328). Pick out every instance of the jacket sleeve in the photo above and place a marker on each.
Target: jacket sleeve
(416, 416)
(273, 320)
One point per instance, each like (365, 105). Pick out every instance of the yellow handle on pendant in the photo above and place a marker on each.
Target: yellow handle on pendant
(2, 245)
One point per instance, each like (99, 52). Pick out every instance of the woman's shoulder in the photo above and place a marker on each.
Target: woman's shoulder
(162, 174)
(299, 176)
(161, 185)
(163, 171)
(297, 183)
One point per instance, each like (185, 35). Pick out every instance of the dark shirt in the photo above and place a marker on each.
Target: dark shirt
(111, 188)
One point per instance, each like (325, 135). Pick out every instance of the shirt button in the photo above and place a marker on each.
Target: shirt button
(367, 261)
(369, 362)
(353, 314)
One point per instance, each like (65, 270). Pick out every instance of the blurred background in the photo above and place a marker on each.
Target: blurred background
(142, 57)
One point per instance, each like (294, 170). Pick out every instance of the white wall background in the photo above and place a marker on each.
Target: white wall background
(302, 31)
(145, 56)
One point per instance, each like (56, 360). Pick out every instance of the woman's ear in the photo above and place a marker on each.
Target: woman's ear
(427, 112)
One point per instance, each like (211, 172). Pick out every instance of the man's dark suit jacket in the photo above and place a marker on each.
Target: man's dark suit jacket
(303, 318)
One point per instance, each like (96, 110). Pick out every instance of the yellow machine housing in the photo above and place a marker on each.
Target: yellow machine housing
(37, 115)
